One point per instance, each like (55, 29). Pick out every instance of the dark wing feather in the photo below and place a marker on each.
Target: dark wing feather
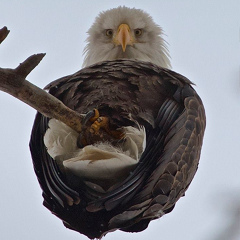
(49, 175)
(173, 115)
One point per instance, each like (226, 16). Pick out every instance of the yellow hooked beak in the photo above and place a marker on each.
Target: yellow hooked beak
(123, 37)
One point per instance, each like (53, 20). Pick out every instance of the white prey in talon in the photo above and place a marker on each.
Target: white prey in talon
(100, 161)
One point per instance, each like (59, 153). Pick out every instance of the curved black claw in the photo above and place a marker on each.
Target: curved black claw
(88, 116)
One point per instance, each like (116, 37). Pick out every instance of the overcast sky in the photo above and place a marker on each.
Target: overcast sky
(204, 43)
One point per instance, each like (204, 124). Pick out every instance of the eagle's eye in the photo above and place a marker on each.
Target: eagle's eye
(109, 32)
(138, 32)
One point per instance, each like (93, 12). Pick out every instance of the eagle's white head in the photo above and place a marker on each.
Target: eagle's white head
(126, 33)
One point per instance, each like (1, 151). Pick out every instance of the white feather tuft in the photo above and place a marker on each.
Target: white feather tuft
(101, 161)
(60, 139)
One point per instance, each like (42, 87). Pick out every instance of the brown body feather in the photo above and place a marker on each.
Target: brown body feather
(126, 91)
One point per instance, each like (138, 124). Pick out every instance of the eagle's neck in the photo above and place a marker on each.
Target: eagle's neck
(156, 53)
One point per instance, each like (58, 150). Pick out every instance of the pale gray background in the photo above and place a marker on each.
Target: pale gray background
(204, 42)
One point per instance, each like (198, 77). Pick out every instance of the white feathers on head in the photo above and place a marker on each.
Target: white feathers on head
(151, 47)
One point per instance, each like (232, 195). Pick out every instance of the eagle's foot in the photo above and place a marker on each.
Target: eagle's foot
(103, 123)
(99, 130)
(91, 116)
(100, 122)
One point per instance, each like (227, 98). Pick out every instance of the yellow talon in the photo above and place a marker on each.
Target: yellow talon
(96, 115)
(98, 129)
(101, 122)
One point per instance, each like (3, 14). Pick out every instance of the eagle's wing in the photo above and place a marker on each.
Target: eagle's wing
(126, 91)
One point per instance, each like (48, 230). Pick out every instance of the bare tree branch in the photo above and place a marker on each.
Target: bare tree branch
(12, 81)
(29, 64)
(3, 33)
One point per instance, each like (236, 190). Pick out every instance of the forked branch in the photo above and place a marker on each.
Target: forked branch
(12, 81)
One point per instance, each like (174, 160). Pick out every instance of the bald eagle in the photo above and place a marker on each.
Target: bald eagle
(142, 131)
